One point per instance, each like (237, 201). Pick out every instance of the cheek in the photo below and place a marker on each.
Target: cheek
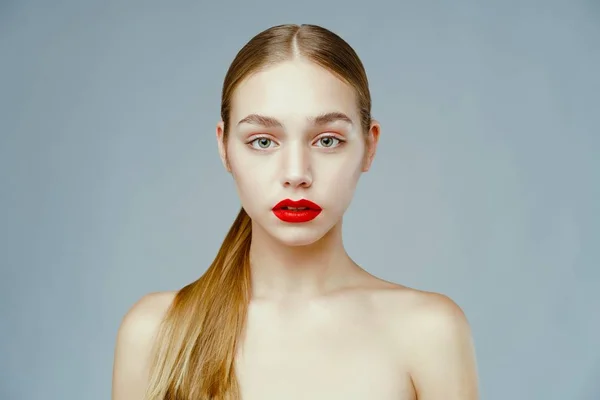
(250, 174)
(256, 177)
(339, 180)
(247, 181)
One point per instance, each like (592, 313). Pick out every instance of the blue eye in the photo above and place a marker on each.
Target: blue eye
(263, 143)
(329, 141)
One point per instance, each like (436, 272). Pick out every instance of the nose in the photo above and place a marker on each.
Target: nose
(296, 169)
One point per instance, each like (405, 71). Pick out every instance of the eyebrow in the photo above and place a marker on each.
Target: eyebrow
(270, 122)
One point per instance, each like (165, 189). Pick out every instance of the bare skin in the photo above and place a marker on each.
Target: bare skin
(371, 340)
(319, 326)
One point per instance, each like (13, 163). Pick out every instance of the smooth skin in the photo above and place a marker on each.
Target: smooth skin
(319, 326)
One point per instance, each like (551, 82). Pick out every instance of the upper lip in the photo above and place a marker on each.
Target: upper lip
(297, 204)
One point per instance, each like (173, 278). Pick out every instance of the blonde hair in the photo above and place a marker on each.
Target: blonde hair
(194, 355)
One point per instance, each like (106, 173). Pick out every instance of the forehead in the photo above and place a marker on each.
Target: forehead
(293, 90)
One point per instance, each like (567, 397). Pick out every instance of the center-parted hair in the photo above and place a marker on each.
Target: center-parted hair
(194, 353)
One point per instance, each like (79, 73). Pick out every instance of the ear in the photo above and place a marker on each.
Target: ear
(222, 147)
(372, 141)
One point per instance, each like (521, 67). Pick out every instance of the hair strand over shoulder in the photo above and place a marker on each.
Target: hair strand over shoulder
(195, 350)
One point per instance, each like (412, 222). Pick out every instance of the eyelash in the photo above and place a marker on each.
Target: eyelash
(340, 142)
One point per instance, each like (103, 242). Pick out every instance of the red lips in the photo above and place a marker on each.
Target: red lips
(308, 210)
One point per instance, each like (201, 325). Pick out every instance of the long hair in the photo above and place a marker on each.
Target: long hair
(194, 354)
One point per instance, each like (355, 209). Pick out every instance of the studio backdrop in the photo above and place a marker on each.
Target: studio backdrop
(485, 186)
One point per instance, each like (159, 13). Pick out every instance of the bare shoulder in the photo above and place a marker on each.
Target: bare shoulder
(417, 310)
(434, 338)
(135, 339)
(403, 303)
(428, 312)
(144, 316)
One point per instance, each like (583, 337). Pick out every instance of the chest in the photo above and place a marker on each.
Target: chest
(328, 358)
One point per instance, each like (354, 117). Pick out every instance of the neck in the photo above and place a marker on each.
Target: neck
(280, 271)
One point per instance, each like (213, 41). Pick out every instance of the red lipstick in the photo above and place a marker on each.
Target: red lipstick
(296, 211)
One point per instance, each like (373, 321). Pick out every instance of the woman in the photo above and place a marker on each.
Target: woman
(283, 312)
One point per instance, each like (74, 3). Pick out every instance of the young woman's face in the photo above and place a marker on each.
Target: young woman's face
(295, 133)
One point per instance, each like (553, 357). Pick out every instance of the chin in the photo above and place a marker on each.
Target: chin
(297, 235)
(293, 234)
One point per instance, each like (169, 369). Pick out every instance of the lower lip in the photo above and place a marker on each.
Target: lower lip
(296, 216)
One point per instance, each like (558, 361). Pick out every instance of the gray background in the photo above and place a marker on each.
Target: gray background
(485, 186)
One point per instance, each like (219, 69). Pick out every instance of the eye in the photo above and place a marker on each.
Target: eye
(261, 143)
(329, 141)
